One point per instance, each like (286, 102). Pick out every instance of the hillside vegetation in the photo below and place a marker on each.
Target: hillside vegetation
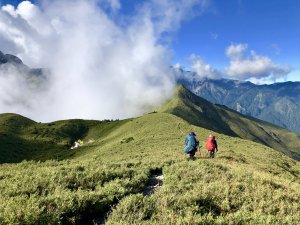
(22, 138)
(247, 182)
(200, 112)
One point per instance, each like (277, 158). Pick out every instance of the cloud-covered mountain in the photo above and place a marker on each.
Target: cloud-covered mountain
(277, 103)
(10, 62)
(20, 85)
(7, 58)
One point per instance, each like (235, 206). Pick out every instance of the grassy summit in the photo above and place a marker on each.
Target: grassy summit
(247, 182)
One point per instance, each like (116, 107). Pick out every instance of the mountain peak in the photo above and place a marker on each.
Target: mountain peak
(8, 58)
(2, 59)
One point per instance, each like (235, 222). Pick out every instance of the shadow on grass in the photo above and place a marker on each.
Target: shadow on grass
(207, 205)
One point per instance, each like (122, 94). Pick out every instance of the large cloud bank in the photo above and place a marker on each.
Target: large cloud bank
(243, 66)
(104, 64)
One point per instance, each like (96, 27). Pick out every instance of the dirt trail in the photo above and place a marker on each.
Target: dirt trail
(154, 182)
(153, 185)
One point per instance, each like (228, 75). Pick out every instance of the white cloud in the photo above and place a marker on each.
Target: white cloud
(202, 69)
(244, 66)
(100, 69)
(177, 66)
(236, 52)
(10, 9)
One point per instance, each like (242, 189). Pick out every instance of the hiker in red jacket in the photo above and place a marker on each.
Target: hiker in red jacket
(211, 146)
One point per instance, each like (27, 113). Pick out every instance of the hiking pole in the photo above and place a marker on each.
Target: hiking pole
(200, 151)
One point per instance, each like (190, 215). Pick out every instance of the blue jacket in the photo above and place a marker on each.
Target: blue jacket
(190, 143)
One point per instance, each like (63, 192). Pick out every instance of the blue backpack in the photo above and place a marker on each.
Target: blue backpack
(190, 144)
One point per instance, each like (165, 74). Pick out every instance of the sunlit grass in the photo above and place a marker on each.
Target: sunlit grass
(246, 183)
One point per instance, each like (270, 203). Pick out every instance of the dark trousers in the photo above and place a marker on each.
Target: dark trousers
(192, 154)
(211, 154)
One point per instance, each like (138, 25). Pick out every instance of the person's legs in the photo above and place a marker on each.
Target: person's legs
(192, 154)
(212, 154)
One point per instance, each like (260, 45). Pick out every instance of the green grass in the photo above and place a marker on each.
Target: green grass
(200, 112)
(247, 182)
(22, 138)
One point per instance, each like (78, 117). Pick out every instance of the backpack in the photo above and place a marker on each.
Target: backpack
(210, 144)
(196, 144)
(191, 144)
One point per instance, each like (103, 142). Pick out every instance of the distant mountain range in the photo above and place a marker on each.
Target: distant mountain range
(277, 103)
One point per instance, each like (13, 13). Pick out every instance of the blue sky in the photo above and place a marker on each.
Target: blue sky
(271, 28)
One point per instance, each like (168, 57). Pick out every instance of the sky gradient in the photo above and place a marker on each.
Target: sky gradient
(269, 28)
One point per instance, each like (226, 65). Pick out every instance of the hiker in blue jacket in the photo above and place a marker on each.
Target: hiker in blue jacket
(191, 145)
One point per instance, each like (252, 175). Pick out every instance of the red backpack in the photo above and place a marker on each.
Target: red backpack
(210, 144)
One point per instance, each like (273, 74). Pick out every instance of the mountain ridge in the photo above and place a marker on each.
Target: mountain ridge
(277, 103)
(201, 112)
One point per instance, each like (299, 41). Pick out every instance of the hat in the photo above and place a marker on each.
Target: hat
(211, 136)
(192, 133)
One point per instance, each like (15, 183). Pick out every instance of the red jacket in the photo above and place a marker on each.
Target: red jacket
(211, 144)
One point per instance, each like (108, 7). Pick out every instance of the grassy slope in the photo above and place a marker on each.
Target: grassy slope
(21, 138)
(200, 112)
(248, 183)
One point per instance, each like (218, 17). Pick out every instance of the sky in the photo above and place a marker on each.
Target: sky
(113, 57)
(269, 28)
